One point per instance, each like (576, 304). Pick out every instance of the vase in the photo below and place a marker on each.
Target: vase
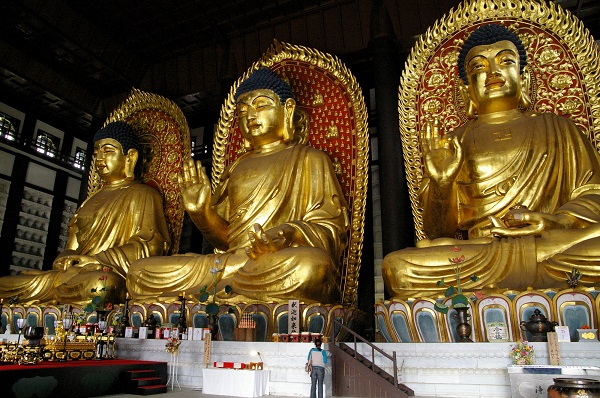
(213, 324)
(463, 329)
(573, 387)
(101, 315)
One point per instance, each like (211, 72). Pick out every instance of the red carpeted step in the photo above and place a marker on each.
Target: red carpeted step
(151, 390)
(144, 382)
(136, 374)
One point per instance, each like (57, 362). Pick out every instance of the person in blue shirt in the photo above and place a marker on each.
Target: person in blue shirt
(317, 358)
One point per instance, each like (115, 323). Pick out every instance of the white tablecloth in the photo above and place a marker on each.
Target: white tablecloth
(236, 383)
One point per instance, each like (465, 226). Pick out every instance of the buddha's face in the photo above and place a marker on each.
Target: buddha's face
(262, 117)
(494, 79)
(111, 162)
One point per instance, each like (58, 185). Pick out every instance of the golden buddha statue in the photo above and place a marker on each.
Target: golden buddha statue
(278, 216)
(122, 222)
(524, 186)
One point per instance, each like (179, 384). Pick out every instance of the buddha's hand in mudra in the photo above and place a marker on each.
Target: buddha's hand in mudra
(68, 260)
(520, 221)
(269, 241)
(442, 157)
(195, 187)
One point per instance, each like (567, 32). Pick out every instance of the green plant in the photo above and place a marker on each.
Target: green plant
(459, 300)
(212, 308)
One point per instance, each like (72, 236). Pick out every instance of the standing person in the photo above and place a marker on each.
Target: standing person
(317, 358)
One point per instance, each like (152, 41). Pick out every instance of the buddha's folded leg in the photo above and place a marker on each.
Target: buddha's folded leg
(584, 256)
(304, 273)
(31, 288)
(414, 272)
(85, 285)
(169, 276)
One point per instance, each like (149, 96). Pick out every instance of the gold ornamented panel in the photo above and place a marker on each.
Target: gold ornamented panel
(332, 105)
(563, 64)
(165, 139)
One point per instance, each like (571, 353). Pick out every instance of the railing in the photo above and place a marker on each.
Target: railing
(42, 150)
(373, 348)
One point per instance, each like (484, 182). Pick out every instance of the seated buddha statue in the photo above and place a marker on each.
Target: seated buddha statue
(524, 186)
(277, 217)
(122, 222)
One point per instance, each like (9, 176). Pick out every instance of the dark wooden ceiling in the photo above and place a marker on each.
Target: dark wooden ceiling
(71, 60)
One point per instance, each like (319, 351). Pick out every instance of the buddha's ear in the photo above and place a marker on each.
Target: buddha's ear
(524, 98)
(288, 130)
(470, 108)
(130, 160)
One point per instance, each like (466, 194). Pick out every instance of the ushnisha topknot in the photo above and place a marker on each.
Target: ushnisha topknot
(265, 78)
(121, 132)
(489, 34)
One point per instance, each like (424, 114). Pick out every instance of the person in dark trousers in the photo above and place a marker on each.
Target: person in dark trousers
(317, 358)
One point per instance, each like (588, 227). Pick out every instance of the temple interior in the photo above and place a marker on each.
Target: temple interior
(377, 82)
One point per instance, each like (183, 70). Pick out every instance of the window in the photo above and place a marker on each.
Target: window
(79, 162)
(47, 144)
(7, 129)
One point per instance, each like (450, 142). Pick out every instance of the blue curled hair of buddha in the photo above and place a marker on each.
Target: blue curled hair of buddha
(121, 132)
(265, 78)
(489, 34)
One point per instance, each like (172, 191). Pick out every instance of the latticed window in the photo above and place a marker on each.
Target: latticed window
(79, 158)
(7, 129)
(46, 144)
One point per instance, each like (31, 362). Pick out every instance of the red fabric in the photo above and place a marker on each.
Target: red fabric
(68, 364)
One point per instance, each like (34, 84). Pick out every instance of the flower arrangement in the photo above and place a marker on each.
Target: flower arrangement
(100, 301)
(458, 298)
(117, 317)
(212, 308)
(81, 318)
(522, 353)
(172, 346)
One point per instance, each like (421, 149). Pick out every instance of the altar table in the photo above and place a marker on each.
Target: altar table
(235, 383)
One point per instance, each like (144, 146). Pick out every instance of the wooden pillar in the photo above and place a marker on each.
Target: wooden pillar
(397, 222)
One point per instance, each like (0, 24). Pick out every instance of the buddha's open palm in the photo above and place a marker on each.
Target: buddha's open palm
(442, 157)
(195, 187)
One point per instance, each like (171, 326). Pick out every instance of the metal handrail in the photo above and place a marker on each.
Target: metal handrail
(373, 348)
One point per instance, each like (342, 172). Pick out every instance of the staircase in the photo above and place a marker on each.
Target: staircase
(355, 375)
(144, 382)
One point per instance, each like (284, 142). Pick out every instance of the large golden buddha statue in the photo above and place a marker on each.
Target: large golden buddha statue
(277, 217)
(524, 186)
(122, 222)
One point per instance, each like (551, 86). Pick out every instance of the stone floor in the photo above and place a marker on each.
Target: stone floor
(187, 393)
(181, 393)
